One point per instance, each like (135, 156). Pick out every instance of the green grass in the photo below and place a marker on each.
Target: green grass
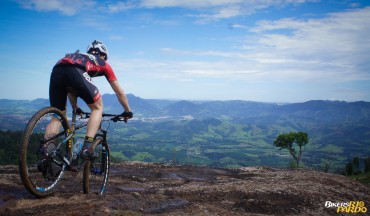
(332, 149)
(363, 177)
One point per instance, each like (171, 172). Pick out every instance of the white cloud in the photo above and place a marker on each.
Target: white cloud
(328, 51)
(220, 13)
(65, 7)
(213, 53)
(337, 42)
(213, 10)
(205, 10)
(238, 26)
(333, 49)
(188, 3)
(197, 4)
(121, 6)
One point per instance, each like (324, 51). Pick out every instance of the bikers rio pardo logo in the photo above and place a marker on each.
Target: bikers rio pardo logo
(347, 207)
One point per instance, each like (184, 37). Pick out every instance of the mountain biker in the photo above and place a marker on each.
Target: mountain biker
(71, 77)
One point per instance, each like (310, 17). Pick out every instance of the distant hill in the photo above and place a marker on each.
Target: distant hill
(224, 133)
(318, 110)
(111, 104)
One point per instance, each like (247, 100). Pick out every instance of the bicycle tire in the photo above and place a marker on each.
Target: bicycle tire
(95, 176)
(30, 156)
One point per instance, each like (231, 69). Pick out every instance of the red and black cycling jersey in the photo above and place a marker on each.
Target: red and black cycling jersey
(92, 64)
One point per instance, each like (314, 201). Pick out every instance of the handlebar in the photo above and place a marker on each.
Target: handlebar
(116, 117)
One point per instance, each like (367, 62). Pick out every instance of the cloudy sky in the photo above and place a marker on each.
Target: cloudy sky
(260, 50)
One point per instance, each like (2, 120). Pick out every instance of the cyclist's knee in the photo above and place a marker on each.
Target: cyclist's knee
(98, 105)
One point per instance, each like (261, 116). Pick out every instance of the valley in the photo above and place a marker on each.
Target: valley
(202, 133)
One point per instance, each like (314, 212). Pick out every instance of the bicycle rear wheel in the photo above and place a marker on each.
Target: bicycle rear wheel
(96, 171)
(41, 173)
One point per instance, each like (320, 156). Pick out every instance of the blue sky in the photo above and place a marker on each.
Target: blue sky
(261, 50)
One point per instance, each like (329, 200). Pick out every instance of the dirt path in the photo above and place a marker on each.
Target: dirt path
(143, 188)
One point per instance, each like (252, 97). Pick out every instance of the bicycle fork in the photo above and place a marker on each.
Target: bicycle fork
(102, 168)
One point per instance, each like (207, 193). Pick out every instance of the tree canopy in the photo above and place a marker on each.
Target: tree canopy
(287, 141)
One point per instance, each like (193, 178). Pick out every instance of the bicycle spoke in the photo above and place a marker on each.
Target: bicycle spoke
(43, 158)
(40, 172)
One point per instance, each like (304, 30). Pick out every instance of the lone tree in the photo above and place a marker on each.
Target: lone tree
(286, 141)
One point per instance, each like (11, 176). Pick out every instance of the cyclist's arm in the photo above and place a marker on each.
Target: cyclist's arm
(120, 95)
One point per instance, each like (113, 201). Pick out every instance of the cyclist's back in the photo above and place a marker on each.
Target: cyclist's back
(92, 64)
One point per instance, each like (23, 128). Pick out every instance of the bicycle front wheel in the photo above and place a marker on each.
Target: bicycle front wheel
(41, 156)
(96, 171)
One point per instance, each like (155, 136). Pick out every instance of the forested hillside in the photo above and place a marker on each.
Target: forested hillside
(224, 133)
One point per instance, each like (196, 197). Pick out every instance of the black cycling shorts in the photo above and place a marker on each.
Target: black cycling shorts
(67, 77)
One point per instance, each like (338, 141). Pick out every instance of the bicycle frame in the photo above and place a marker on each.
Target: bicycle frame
(46, 151)
(69, 136)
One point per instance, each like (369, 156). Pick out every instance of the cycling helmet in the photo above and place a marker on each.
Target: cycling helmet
(97, 47)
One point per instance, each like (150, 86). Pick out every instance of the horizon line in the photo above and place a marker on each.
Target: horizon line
(208, 100)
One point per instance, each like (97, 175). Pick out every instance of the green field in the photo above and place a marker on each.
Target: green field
(225, 144)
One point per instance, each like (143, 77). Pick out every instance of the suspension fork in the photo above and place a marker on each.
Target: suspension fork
(104, 144)
(102, 135)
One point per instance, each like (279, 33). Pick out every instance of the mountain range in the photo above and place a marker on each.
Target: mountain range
(223, 132)
(318, 110)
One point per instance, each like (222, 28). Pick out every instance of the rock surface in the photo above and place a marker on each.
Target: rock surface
(137, 188)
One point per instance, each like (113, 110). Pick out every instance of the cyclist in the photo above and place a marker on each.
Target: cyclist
(71, 77)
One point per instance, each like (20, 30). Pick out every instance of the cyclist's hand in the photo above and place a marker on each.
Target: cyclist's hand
(127, 115)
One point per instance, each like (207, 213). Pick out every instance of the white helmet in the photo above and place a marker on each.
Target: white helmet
(97, 47)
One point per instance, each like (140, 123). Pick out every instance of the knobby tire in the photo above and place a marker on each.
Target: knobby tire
(30, 154)
(95, 176)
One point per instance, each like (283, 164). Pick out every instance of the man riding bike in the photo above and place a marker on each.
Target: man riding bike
(71, 77)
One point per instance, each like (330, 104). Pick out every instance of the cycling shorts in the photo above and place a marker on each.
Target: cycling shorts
(65, 78)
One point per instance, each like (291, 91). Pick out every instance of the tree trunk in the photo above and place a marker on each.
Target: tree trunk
(299, 155)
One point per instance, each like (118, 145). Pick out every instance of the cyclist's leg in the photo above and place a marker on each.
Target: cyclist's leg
(57, 88)
(91, 95)
(58, 99)
(95, 118)
(92, 128)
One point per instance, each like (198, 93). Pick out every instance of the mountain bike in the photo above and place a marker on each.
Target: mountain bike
(42, 172)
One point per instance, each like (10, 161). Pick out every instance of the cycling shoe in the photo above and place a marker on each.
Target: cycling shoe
(89, 154)
(49, 170)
